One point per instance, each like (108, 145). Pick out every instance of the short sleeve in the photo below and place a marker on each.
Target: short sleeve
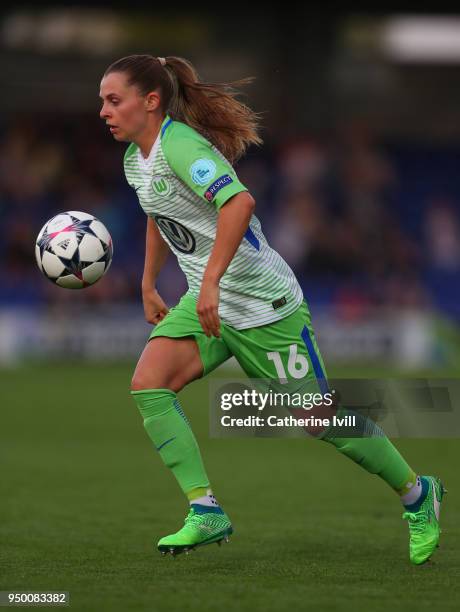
(200, 165)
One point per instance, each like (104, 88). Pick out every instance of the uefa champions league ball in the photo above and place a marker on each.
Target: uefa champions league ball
(74, 250)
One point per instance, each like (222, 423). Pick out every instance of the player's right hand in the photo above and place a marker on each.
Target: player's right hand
(154, 308)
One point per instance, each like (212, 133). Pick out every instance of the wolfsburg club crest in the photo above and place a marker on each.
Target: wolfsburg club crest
(161, 186)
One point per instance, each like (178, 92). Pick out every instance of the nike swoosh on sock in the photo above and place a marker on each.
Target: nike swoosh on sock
(164, 443)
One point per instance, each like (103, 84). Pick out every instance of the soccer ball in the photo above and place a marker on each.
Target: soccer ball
(74, 250)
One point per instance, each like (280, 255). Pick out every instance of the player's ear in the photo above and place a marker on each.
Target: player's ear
(152, 101)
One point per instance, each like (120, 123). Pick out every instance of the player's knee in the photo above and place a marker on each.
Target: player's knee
(153, 380)
(141, 381)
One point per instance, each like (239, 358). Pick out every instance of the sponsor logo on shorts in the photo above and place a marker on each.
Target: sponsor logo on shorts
(278, 303)
(221, 182)
(202, 171)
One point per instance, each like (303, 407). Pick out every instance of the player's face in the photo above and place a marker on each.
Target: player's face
(123, 107)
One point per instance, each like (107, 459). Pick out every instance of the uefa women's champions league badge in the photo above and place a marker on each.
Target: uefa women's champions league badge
(203, 171)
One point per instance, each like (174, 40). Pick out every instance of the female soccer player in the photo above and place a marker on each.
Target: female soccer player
(243, 299)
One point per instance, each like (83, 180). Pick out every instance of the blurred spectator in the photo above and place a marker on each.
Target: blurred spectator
(326, 204)
(442, 234)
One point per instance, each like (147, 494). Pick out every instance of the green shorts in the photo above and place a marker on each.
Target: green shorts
(283, 350)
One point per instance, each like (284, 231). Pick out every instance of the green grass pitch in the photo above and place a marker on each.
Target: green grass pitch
(84, 498)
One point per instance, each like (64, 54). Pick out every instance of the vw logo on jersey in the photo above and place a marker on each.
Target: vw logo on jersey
(203, 171)
(161, 186)
(179, 236)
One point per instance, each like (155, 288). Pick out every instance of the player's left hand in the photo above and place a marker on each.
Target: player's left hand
(208, 308)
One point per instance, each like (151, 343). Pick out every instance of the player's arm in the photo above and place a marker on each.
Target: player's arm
(193, 159)
(156, 253)
(232, 223)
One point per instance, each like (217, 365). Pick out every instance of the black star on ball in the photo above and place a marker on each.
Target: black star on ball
(80, 227)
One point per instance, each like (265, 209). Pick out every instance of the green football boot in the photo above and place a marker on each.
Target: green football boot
(203, 525)
(424, 527)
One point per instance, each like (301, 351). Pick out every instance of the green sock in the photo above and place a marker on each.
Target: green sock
(172, 436)
(372, 450)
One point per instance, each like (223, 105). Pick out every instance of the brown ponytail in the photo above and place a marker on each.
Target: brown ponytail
(210, 108)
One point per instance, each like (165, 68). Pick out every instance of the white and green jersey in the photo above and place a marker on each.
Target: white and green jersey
(182, 185)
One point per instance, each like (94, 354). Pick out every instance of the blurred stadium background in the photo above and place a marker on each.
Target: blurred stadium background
(356, 186)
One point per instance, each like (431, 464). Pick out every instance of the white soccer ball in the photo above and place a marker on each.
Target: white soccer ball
(74, 249)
